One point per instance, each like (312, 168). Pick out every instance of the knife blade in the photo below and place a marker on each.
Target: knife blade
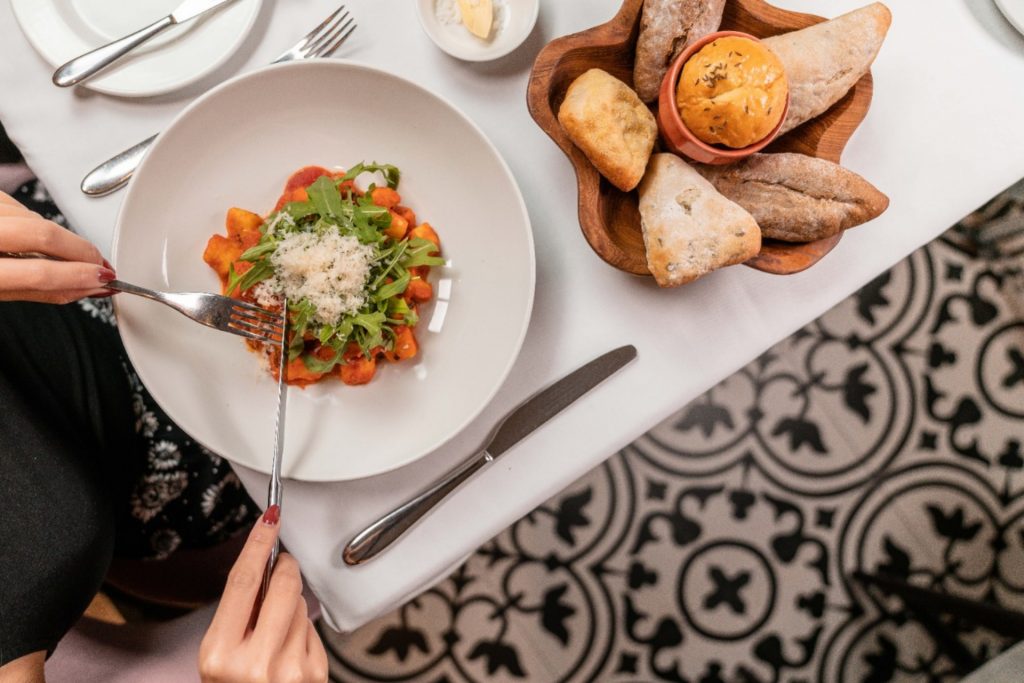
(544, 405)
(515, 427)
(274, 488)
(85, 66)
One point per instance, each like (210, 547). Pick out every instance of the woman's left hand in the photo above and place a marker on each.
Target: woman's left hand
(76, 271)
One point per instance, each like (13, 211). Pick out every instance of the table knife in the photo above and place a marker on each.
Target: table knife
(274, 489)
(87, 65)
(516, 426)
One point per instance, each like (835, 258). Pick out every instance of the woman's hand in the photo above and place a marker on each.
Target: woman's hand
(283, 646)
(80, 270)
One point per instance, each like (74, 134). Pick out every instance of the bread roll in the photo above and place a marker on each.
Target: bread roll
(797, 198)
(606, 120)
(689, 228)
(825, 60)
(667, 27)
(732, 92)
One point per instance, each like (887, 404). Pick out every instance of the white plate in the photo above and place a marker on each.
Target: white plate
(1013, 10)
(60, 30)
(211, 159)
(457, 41)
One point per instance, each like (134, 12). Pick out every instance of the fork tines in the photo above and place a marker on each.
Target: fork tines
(323, 40)
(256, 323)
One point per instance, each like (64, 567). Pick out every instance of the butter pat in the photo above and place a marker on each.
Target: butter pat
(477, 16)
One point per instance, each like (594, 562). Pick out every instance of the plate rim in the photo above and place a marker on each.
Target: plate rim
(524, 326)
(96, 85)
(1014, 17)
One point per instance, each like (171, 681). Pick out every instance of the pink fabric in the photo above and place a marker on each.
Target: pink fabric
(155, 652)
(12, 176)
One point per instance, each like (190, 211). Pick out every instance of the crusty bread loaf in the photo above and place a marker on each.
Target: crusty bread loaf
(689, 228)
(606, 120)
(667, 27)
(825, 60)
(797, 198)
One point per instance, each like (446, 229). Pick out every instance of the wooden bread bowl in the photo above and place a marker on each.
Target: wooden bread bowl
(609, 217)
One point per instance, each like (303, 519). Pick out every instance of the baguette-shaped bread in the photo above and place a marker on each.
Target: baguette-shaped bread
(667, 27)
(689, 228)
(606, 120)
(825, 60)
(797, 198)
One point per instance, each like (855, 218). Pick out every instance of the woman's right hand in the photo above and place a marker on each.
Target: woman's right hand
(282, 645)
(78, 272)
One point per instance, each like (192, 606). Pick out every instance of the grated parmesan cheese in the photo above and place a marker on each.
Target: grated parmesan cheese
(329, 270)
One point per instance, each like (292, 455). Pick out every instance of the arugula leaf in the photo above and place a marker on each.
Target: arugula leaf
(262, 249)
(369, 330)
(419, 254)
(232, 279)
(391, 173)
(304, 311)
(260, 271)
(324, 195)
(399, 307)
(325, 334)
(299, 210)
(314, 364)
(393, 288)
(392, 264)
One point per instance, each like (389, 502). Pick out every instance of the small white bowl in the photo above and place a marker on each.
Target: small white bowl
(456, 40)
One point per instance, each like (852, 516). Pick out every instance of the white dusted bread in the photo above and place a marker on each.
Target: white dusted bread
(825, 60)
(606, 119)
(689, 228)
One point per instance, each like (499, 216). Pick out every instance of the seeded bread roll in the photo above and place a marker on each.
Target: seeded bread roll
(797, 198)
(606, 120)
(824, 61)
(732, 92)
(689, 228)
(667, 27)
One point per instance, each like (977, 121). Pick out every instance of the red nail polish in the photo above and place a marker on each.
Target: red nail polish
(272, 516)
(106, 275)
(106, 264)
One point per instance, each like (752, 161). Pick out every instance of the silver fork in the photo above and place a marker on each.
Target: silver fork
(322, 41)
(214, 310)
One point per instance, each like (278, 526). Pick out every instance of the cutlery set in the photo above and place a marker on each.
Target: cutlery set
(91, 63)
(254, 323)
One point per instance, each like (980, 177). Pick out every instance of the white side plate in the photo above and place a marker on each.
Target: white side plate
(61, 30)
(456, 40)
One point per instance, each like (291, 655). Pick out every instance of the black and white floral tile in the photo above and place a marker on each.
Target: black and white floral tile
(887, 436)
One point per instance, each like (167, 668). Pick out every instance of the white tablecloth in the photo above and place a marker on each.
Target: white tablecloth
(943, 135)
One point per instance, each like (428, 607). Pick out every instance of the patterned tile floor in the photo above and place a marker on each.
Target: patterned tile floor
(719, 547)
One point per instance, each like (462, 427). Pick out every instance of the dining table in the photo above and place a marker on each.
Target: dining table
(942, 136)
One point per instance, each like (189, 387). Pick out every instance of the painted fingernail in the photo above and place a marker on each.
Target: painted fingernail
(272, 516)
(106, 275)
(106, 264)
